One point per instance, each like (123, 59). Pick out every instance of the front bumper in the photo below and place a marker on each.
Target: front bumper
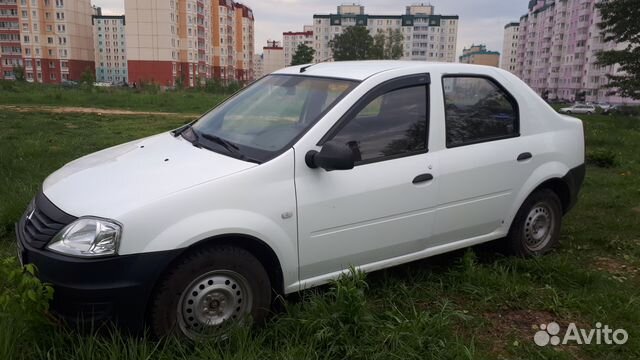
(91, 291)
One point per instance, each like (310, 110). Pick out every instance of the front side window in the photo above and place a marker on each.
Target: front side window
(392, 124)
(263, 119)
(476, 110)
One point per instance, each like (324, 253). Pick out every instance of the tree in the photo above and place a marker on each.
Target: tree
(88, 77)
(18, 72)
(620, 24)
(354, 43)
(387, 45)
(304, 55)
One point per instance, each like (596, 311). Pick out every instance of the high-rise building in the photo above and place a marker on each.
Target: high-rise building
(153, 36)
(510, 47)
(479, 55)
(258, 65)
(10, 50)
(426, 36)
(171, 42)
(291, 40)
(56, 39)
(558, 42)
(109, 39)
(244, 41)
(272, 57)
(233, 41)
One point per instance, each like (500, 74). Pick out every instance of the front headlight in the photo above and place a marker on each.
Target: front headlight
(88, 237)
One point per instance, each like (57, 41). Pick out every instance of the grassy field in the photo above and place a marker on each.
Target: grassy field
(185, 101)
(472, 304)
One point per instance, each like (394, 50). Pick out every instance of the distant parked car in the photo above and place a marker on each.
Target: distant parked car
(102, 84)
(69, 83)
(579, 109)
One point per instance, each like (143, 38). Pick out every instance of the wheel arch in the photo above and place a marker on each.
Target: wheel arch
(256, 247)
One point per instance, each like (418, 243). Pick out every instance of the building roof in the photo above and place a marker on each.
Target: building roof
(512, 24)
(360, 70)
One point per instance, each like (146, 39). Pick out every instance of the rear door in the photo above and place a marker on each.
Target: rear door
(485, 161)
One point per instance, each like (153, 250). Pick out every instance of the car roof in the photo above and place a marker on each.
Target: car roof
(360, 70)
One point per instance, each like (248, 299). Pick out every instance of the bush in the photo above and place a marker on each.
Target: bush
(602, 158)
(632, 111)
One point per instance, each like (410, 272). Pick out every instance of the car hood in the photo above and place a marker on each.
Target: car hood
(117, 180)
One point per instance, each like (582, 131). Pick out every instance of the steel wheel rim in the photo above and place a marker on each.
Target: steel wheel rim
(212, 300)
(538, 227)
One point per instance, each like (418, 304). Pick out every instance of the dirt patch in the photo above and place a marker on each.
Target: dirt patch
(615, 267)
(518, 327)
(636, 209)
(82, 110)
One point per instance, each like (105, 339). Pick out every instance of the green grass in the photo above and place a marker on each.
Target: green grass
(473, 304)
(184, 101)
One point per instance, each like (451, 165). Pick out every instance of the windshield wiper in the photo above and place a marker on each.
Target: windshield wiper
(230, 147)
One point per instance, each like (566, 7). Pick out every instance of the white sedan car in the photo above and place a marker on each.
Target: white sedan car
(303, 174)
(579, 109)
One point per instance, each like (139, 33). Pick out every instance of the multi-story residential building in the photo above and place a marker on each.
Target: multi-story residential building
(291, 40)
(153, 36)
(558, 42)
(233, 41)
(171, 42)
(258, 65)
(426, 36)
(479, 55)
(510, 47)
(244, 42)
(109, 39)
(56, 39)
(273, 57)
(10, 50)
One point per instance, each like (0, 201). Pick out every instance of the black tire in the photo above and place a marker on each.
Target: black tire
(589, 113)
(166, 310)
(523, 238)
(568, 112)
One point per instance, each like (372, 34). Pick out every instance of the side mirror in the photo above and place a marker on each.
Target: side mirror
(332, 156)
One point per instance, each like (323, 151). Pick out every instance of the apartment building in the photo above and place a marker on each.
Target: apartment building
(426, 36)
(479, 55)
(233, 41)
(10, 49)
(258, 65)
(187, 42)
(292, 39)
(56, 39)
(272, 57)
(109, 39)
(510, 47)
(244, 41)
(558, 41)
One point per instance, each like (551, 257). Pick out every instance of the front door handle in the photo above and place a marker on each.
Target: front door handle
(524, 156)
(422, 178)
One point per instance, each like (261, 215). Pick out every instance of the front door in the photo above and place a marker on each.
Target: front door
(385, 206)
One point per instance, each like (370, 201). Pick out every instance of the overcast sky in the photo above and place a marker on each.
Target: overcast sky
(481, 21)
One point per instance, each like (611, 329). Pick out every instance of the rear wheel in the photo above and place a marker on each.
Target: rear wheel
(536, 227)
(209, 290)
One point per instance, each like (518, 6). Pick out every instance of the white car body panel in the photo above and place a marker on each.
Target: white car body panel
(319, 223)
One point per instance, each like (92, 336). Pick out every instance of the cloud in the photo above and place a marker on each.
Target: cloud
(481, 21)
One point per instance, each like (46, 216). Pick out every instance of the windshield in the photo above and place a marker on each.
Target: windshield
(264, 119)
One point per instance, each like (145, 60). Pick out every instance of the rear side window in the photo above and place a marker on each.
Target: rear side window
(393, 124)
(477, 109)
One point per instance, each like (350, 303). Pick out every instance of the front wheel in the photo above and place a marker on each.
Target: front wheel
(209, 289)
(536, 228)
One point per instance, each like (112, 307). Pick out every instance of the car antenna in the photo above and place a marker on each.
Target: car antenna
(304, 68)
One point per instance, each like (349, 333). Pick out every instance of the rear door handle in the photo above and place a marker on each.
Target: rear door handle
(524, 156)
(422, 178)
